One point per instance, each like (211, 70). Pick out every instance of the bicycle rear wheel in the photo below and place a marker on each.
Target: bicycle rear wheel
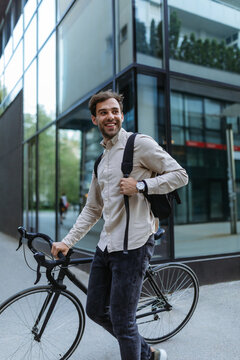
(19, 325)
(166, 307)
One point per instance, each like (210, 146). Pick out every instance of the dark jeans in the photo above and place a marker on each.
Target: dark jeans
(113, 292)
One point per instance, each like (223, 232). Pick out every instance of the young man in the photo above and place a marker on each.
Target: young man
(116, 278)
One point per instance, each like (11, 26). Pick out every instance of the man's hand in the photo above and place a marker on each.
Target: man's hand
(128, 186)
(59, 246)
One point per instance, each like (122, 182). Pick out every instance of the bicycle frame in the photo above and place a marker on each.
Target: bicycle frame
(165, 305)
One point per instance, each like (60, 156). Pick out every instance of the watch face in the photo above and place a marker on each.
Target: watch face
(140, 186)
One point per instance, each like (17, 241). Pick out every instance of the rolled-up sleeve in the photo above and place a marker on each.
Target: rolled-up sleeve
(152, 156)
(90, 214)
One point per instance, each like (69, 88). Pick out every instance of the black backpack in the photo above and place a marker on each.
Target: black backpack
(160, 203)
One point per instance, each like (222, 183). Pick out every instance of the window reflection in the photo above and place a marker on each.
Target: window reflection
(79, 74)
(18, 31)
(13, 71)
(204, 215)
(1, 64)
(29, 9)
(30, 101)
(46, 20)
(78, 149)
(124, 34)
(62, 6)
(205, 44)
(125, 87)
(29, 194)
(30, 43)
(149, 33)
(46, 182)
(47, 83)
(8, 51)
(151, 108)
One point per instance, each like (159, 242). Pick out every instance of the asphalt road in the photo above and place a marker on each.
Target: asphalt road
(212, 333)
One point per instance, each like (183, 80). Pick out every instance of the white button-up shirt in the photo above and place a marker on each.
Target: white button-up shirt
(104, 196)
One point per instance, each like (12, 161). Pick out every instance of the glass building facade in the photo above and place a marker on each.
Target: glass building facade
(177, 64)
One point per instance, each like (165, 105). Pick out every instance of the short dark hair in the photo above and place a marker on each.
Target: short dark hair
(102, 96)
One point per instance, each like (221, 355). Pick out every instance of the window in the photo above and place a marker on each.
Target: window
(46, 182)
(85, 60)
(202, 221)
(203, 41)
(47, 83)
(30, 101)
(124, 34)
(46, 20)
(30, 42)
(149, 32)
(78, 149)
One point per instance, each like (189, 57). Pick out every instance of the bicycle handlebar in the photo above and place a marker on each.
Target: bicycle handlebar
(63, 260)
(40, 257)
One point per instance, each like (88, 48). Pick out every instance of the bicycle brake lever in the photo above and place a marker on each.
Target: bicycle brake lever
(40, 260)
(38, 274)
(19, 244)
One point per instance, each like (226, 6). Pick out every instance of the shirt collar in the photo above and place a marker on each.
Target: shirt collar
(114, 140)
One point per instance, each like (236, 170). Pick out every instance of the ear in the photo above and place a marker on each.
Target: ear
(94, 120)
(122, 117)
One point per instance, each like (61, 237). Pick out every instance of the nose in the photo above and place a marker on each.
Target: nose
(110, 115)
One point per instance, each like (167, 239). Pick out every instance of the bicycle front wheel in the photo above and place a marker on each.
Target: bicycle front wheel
(23, 318)
(168, 299)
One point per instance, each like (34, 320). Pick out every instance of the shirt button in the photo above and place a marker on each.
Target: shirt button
(108, 234)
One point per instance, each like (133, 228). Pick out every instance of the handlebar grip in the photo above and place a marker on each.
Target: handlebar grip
(61, 256)
(21, 230)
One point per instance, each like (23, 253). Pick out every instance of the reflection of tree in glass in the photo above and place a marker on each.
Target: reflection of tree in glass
(174, 32)
(141, 41)
(208, 52)
(69, 165)
(3, 94)
(29, 125)
(155, 45)
(46, 155)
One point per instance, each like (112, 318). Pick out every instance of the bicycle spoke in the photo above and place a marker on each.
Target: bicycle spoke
(167, 301)
(60, 337)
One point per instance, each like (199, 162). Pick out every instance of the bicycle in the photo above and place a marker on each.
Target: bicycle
(48, 321)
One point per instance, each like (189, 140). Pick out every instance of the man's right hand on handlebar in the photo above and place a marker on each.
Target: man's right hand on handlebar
(59, 246)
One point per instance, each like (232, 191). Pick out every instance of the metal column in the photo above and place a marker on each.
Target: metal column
(231, 179)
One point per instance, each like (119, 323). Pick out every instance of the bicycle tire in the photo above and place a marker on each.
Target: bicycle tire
(61, 336)
(179, 285)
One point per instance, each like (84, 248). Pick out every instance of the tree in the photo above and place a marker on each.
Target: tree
(141, 41)
(174, 32)
(153, 39)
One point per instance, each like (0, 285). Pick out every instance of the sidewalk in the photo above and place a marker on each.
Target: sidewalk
(212, 333)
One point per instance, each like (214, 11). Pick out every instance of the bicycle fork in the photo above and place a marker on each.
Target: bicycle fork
(51, 296)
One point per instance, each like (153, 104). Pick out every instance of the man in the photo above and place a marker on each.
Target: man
(116, 278)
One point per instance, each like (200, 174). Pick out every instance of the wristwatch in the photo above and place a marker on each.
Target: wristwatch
(140, 186)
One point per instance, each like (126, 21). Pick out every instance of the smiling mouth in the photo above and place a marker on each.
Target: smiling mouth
(110, 125)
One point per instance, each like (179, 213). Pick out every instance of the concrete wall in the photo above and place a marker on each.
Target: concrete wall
(11, 167)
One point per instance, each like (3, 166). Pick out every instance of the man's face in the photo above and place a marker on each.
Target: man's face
(108, 118)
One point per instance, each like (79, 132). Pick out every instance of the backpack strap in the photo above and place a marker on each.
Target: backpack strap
(127, 162)
(126, 167)
(96, 164)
